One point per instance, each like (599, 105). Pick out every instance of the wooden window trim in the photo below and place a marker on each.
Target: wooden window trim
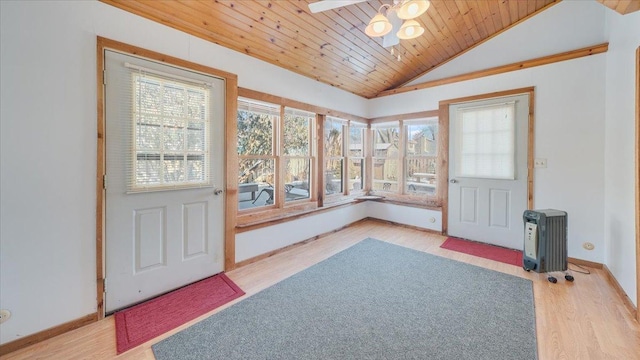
(291, 209)
(400, 196)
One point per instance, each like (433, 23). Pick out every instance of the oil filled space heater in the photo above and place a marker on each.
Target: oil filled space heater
(545, 242)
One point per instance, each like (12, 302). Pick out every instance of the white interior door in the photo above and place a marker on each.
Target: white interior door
(164, 163)
(488, 170)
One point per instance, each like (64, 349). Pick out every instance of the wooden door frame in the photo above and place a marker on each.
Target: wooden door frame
(443, 147)
(231, 95)
(638, 184)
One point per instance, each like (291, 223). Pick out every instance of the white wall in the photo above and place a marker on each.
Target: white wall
(569, 121)
(261, 241)
(256, 242)
(48, 144)
(568, 25)
(407, 215)
(619, 220)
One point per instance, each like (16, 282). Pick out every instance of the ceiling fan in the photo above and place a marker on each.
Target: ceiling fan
(381, 25)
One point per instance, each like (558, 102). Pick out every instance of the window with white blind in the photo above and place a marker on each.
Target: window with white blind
(487, 142)
(170, 147)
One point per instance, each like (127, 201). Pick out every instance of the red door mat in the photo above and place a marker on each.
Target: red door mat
(504, 255)
(147, 320)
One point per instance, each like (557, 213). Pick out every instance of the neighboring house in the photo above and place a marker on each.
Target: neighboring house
(584, 111)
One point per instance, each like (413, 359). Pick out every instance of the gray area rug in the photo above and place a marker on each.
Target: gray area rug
(374, 300)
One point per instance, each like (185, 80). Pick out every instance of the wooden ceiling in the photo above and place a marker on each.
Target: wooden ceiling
(331, 47)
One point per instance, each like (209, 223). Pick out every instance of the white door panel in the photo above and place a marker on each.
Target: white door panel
(488, 172)
(157, 241)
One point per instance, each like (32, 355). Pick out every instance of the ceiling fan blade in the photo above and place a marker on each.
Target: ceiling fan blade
(324, 5)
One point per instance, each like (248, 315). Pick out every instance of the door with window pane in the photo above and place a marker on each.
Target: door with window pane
(488, 170)
(164, 159)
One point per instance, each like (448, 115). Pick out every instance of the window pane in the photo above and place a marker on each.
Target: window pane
(333, 138)
(420, 176)
(356, 174)
(422, 138)
(485, 142)
(297, 134)
(296, 177)
(196, 137)
(333, 176)
(356, 143)
(148, 135)
(173, 169)
(385, 174)
(255, 133)
(174, 100)
(255, 183)
(195, 107)
(148, 169)
(174, 135)
(385, 142)
(195, 168)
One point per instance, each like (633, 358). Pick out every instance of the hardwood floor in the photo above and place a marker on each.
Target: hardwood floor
(586, 319)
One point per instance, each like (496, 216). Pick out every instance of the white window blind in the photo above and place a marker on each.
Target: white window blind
(166, 130)
(486, 142)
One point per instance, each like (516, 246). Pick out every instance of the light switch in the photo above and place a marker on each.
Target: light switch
(540, 163)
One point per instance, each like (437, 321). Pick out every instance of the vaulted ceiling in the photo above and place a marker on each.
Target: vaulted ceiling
(331, 46)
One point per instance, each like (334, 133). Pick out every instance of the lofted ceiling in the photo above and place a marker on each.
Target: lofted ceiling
(331, 46)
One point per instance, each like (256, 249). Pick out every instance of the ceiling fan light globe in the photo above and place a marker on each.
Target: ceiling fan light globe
(378, 26)
(413, 8)
(410, 29)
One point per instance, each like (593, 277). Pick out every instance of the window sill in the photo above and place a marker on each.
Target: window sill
(256, 220)
(429, 203)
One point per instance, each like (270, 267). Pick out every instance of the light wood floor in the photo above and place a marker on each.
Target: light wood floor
(582, 320)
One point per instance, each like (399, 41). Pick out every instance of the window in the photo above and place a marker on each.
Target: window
(421, 146)
(404, 158)
(344, 170)
(334, 155)
(487, 142)
(171, 141)
(264, 156)
(355, 168)
(256, 151)
(298, 126)
(386, 156)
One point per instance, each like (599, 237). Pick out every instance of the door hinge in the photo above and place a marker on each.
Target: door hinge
(104, 77)
(104, 285)
(104, 181)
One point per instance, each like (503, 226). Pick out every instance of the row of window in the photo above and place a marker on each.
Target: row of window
(277, 156)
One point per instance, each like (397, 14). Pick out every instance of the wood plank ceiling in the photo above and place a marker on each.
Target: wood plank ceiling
(331, 47)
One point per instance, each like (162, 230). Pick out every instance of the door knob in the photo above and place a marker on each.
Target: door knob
(453, 181)
(217, 191)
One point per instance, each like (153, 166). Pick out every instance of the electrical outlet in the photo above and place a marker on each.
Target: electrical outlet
(588, 246)
(540, 163)
(4, 315)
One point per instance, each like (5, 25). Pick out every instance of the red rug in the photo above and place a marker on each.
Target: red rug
(504, 255)
(143, 322)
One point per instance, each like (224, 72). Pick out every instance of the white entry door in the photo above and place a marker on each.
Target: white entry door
(164, 165)
(488, 170)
